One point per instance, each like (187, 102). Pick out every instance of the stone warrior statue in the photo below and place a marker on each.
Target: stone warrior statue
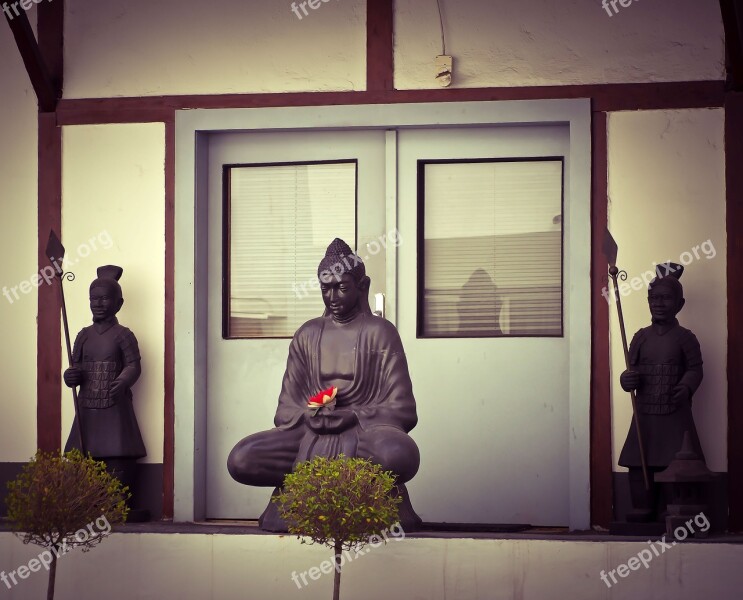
(361, 355)
(106, 364)
(665, 370)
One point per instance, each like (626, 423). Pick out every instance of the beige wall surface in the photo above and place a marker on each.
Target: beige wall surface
(667, 201)
(18, 243)
(113, 212)
(226, 567)
(543, 42)
(146, 48)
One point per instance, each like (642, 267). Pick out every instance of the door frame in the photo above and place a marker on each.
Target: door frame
(193, 128)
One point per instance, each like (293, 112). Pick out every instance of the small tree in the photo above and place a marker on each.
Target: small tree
(56, 497)
(338, 502)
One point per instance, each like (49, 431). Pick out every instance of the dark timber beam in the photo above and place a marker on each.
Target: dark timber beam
(602, 483)
(48, 53)
(379, 45)
(41, 80)
(605, 98)
(732, 20)
(734, 217)
(48, 332)
(50, 27)
(169, 400)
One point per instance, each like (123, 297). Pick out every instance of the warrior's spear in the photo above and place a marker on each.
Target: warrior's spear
(55, 251)
(610, 250)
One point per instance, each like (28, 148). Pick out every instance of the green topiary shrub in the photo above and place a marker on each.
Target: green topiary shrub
(64, 501)
(338, 502)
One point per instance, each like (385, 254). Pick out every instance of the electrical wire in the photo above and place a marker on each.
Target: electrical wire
(441, 24)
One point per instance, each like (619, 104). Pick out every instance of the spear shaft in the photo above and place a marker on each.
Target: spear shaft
(614, 273)
(75, 400)
(55, 252)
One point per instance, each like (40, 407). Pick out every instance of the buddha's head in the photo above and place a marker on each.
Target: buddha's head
(105, 293)
(343, 282)
(666, 294)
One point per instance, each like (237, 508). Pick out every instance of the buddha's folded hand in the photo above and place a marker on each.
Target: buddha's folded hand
(335, 422)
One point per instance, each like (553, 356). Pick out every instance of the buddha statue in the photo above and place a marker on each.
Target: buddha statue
(359, 354)
(665, 370)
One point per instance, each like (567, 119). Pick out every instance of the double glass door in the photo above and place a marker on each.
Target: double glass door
(475, 284)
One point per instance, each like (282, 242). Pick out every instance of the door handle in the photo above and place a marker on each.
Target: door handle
(379, 304)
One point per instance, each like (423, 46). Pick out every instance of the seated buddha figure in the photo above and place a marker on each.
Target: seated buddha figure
(359, 354)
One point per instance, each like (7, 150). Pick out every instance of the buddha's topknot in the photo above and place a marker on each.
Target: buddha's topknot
(340, 259)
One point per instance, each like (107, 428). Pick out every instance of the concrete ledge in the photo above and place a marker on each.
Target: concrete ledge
(221, 566)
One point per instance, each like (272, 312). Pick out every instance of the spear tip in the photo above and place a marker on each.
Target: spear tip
(610, 248)
(55, 251)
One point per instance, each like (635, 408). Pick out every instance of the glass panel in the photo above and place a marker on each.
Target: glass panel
(492, 248)
(281, 219)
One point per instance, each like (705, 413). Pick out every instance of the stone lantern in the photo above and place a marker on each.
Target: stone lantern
(688, 477)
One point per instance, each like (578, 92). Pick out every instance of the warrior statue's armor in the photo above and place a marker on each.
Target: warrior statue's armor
(668, 359)
(103, 353)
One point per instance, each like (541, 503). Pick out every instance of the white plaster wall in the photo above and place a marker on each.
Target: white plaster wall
(18, 243)
(147, 48)
(544, 42)
(226, 567)
(153, 47)
(667, 195)
(113, 212)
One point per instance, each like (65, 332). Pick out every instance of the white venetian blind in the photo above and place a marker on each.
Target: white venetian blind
(281, 219)
(492, 248)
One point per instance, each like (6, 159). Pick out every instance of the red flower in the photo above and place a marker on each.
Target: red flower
(322, 398)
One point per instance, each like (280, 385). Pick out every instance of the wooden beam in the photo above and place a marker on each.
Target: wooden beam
(50, 27)
(169, 402)
(38, 72)
(732, 20)
(602, 484)
(734, 216)
(48, 86)
(380, 59)
(606, 98)
(48, 332)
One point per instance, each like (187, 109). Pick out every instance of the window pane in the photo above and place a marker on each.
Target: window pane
(492, 248)
(281, 219)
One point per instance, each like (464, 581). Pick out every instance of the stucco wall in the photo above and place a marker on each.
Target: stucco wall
(145, 48)
(171, 47)
(516, 43)
(18, 244)
(667, 196)
(113, 212)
